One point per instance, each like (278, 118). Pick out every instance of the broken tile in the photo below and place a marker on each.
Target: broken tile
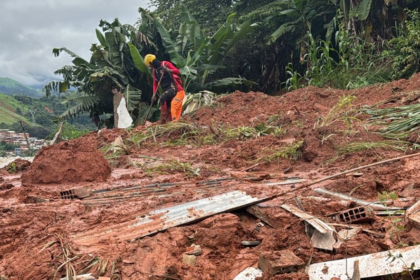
(324, 241)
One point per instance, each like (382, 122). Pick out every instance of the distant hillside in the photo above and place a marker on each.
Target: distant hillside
(37, 114)
(11, 87)
(8, 108)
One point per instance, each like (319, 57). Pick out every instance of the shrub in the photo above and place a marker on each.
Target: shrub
(404, 50)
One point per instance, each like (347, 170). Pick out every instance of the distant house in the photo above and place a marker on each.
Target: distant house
(19, 140)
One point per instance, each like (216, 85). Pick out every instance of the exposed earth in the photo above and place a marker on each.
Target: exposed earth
(243, 142)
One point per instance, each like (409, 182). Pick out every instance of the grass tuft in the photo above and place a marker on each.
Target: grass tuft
(292, 151)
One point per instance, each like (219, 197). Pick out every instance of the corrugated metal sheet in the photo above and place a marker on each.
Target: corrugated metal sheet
(118, 195)
(159, 220)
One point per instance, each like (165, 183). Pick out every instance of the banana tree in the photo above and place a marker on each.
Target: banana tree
(300, 16)
(110, 64)
(196, 55)
(380, 17)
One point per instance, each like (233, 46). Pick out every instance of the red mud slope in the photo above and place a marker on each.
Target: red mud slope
(243, 142)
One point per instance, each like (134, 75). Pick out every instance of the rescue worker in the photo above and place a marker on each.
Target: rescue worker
(167, 76)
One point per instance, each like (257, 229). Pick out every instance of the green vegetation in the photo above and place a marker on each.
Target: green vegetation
(175, 166)
(5, 147)
(11, 87)
(405, 48)
(11, 168)
(396, 122)
(289, 44)
(342, 111)
(118, 60)
(292, 151)
(72, 132)
(38, 116)
(364, 146)
(9, 108)
(179, 133)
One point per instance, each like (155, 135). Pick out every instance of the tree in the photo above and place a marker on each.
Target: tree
(18, 111)
(196, 55)
(210, 14)
(110, 64)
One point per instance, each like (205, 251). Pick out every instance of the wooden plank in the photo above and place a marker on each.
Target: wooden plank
(372, 265)
(256, 211)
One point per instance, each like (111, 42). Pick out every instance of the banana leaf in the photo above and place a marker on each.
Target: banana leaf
(230, 82)
(361, 11)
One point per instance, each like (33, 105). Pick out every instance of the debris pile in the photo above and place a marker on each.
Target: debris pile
(254, 187)
(69, 161)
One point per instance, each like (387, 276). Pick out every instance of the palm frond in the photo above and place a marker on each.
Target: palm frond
(398, 122)
(195, 101)
(77, 104)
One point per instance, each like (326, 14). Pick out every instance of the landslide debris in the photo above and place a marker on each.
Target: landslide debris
(68, 162)
(240, 143)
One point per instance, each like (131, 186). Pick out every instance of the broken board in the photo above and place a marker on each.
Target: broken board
(377, 264)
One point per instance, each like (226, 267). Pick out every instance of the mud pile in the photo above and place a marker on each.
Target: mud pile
(68, 162)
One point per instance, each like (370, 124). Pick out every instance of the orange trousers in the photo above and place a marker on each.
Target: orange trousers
(176, 105)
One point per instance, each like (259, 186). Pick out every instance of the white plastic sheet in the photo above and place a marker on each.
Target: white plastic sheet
(124, 118)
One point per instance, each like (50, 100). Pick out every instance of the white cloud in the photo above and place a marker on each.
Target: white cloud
(31, 29)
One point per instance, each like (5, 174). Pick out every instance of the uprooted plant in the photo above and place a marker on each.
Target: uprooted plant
(396, 122)
(172, 166)
(342, 111)
(183, 131)
(202, 135)
(364, 146)
(71, 264)
(292, 151)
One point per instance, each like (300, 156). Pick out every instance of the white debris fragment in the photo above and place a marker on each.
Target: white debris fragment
(250, 273)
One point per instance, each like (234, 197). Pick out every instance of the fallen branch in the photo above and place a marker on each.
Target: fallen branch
(58, 134)
(356, 200)
(358, 168)
(339, 174)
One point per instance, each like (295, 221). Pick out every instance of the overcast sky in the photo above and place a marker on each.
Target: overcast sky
(30, 29)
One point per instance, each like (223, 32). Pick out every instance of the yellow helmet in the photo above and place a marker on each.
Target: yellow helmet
(148, 59)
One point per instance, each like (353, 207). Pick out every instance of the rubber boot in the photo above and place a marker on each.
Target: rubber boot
(164, 114)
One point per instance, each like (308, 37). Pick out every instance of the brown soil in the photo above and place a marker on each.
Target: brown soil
(70, 161)
(45, 235)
